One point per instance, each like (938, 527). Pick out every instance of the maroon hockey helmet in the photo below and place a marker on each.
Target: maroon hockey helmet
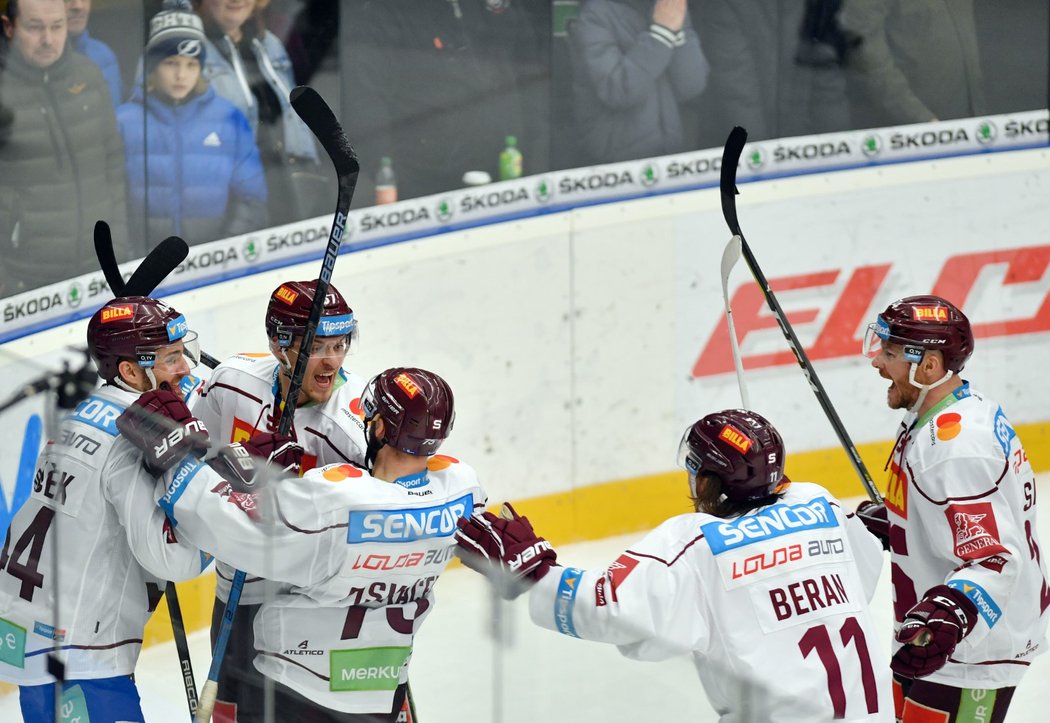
(416, 406)
(133, 328)
(921, 323)
(289, 310)
(741, 448)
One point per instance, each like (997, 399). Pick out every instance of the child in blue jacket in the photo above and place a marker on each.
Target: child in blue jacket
(193, 167)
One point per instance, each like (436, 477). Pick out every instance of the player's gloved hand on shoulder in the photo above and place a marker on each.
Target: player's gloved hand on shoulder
(874, 517)
(278, 449)
(931, 630)
(507, 544)
(161, 425)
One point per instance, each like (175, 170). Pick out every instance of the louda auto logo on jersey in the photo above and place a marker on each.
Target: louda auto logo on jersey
(974, 530)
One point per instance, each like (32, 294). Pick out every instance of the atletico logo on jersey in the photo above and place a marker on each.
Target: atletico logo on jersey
(286, 295)
(930, 313)
(735, 438)
(117, 312)
(408, 384)
(975, 531)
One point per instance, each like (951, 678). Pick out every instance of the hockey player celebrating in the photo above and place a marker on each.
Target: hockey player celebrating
(244, 397)
(970, 591)
(793, 571)
(81, 550)
(358, 554)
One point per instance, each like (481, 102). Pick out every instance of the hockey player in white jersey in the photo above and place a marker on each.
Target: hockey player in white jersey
(243, 397)
(358, 552)
(970, 589)
(767, 584)
(80, 552)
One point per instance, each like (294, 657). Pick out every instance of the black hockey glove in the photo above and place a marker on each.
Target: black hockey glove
(161, 425)
(506, 543)
(874, 517)
(931, 630)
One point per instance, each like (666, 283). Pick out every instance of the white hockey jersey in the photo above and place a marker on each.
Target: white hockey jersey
(92, 511)
(360, 557)
(238, 401)
(961, 506)
(772, 605)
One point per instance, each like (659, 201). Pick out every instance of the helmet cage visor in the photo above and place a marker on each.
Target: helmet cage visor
(879, 335)
(147, 357)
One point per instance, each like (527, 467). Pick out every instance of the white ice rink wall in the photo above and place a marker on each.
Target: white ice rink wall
(581, 341)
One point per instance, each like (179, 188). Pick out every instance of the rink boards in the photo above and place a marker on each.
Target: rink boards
(580, 343)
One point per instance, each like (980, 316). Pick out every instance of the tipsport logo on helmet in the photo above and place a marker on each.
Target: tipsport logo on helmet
(335, 325)
(768, 524)
(177, 328)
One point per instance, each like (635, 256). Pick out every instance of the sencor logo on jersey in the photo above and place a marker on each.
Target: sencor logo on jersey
(975, 531)
(771, 522)
(735, 438)
(407, 525)
(986, 606)
(99, 414)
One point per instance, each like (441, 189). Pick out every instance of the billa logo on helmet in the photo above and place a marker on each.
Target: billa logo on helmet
(930, 313)
(735, 438)
(113, 313)
(408, 384)
(286, 295)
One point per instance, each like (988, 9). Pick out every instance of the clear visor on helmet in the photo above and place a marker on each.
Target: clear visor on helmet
(878, 336)
(686, 458)
(369, 407)
(173, 357)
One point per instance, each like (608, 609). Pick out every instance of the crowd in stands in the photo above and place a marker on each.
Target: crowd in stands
(172, 117)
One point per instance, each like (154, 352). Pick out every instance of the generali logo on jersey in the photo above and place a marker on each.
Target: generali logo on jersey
(614, 577)
(121, 311)
(847, 296)
(974, 530)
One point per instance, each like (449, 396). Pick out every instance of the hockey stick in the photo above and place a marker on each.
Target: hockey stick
(156, 267)
(322, 122)
(159, 262)
(729, 258)
(730, 159)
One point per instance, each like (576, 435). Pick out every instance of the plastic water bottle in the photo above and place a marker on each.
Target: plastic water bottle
(386, 182)
(510, 160)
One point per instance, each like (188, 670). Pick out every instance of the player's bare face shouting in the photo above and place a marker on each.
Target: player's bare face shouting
(891, 364)
(326, 357)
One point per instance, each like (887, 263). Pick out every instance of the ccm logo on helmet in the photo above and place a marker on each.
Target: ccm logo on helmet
(736, 439)
(113, 313)
(408, 384)
(929, 313)
(286, 295)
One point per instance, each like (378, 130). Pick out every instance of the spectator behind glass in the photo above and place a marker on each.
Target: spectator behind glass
(776, 67)
(192, 164)
(917, 61)
(438, 85)
(61, 158)
(77, 14)
(248, 65)
(637, 62)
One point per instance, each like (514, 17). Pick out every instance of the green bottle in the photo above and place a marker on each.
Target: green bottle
(510, 160)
